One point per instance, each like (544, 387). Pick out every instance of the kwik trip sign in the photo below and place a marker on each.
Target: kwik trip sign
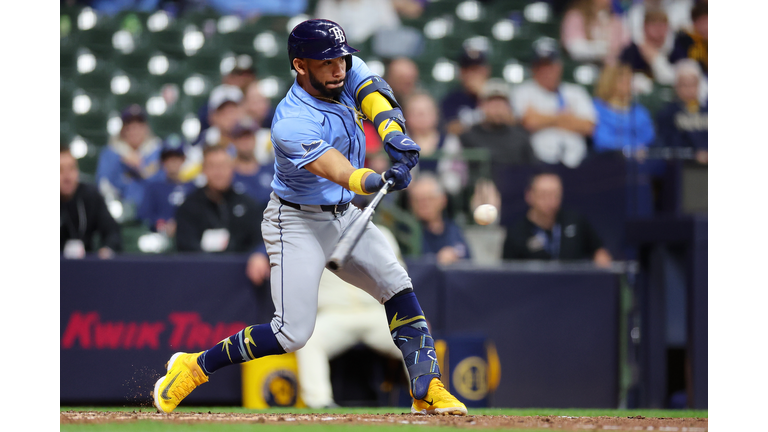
(181, 330)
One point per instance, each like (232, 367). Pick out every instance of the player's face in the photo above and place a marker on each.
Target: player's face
(218, 170)
(70, 175)
(327, 76)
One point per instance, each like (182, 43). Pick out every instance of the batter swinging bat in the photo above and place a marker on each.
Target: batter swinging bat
(349, 240)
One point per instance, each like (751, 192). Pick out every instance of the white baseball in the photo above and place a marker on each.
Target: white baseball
(485, 214)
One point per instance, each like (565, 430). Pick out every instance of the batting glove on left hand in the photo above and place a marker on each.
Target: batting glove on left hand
(402, 149)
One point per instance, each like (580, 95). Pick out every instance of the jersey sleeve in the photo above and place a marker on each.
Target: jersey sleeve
(298, 140)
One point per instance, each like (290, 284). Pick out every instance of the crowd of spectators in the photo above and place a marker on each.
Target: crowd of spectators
(206, 194)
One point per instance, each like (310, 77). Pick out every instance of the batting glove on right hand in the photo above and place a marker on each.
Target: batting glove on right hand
(401, 175)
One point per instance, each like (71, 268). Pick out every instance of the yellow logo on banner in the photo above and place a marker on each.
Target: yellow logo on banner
(470, 378)
(281, 388)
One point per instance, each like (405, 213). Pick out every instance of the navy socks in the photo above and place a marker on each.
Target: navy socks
(247, 344)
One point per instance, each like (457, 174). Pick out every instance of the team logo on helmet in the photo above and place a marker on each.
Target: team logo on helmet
(338, 34)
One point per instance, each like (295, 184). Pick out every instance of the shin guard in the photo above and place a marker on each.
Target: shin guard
(411, 335)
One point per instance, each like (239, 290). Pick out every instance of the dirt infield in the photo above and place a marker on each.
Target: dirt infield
(636, 423)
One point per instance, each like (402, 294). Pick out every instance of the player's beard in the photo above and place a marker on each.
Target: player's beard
(325, 91)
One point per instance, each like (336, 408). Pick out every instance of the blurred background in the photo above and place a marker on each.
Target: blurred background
(584, 123)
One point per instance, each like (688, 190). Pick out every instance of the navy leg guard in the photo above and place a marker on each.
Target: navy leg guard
(411, 335)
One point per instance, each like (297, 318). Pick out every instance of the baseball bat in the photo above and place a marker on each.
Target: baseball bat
(349, 239)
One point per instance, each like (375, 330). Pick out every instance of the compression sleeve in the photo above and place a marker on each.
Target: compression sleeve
(374, 104)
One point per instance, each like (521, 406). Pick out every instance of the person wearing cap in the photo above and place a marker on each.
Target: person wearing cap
(458, 108)
(165, 191)
(560, 116)
(223, 111)
(241, 76)
(128, 158)
(499, 131)
(251, 177)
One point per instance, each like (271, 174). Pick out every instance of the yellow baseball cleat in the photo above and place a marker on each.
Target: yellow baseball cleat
(438, 401)
(184, 375)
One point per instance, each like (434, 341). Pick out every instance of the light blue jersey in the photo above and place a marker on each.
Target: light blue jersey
(304, 128)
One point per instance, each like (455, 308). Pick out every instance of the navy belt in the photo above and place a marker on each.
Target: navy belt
(336, 208)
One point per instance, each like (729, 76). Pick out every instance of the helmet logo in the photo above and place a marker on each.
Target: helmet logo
(338, 34)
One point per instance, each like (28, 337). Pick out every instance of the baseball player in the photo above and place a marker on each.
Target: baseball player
(317, 134)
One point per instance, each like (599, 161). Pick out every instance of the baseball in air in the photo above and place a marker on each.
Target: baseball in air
(485, 214)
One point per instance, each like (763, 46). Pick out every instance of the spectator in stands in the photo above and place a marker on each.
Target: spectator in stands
(549, 233)
(441, 237)
(84, 213)
(251, 177)
(678, 13)
(360, 19)
(165, 191)
(128, 159)
(458, 108)
(215, 218)
(259, 108)
(693, 43)
(649, 57)
(113, 7)
(440, 151)
(253, 8)
(683, 123)
(402, 75)
(242, 75)
(224, 111)
(346, 316)
(559, 116)
(622, 124)
(507, 141)
(591, 32)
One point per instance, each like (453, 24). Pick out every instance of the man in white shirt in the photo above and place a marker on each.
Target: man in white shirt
(558, 115)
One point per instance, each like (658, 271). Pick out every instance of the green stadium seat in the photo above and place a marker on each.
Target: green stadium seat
(168, 123)
(98, 80)
(204, 63)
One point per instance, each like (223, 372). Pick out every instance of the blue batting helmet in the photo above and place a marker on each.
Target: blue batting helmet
(319, 39)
